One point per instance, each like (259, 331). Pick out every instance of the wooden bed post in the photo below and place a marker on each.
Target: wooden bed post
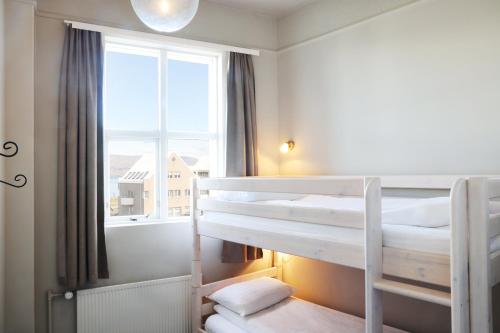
(373, 255)
(196, 279)
(459, 258)
(479, 254)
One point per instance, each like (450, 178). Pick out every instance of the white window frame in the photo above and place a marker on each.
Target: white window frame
(216, 135)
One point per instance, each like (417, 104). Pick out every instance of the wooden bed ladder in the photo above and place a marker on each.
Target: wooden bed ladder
(376, 284)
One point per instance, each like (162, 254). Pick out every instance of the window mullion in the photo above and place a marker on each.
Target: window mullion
(192, 135)
(130, 135)
(163, 178)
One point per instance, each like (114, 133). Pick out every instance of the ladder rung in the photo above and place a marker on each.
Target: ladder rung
(416, 292)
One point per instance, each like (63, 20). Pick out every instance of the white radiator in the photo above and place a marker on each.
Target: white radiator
(159, 306)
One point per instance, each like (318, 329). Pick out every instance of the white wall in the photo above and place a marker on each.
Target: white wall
(320, 17)
(19, 232)
(413, 91)
(266, 92)
(2, 170)
(138, 253)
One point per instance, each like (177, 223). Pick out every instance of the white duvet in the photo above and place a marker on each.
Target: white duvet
(296, 316)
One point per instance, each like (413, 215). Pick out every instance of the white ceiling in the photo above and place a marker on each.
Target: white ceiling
(276, 8)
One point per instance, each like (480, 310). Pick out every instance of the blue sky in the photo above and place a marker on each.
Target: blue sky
(132, 103)
(132, 93)
(187, 96)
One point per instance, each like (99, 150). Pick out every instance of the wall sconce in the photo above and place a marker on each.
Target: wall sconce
(287, 146)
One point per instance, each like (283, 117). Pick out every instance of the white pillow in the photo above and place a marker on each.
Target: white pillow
(428, 212)
(424, 212)
(252, 296)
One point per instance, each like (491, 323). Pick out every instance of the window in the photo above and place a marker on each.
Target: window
(174, 193)
(174, 175)
(163, 125)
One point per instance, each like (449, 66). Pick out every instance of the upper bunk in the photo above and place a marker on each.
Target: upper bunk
(323, 218)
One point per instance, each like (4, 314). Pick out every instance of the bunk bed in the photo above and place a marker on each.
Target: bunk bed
(350, 232)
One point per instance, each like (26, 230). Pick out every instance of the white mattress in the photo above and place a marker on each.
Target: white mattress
(433, 240)
(295, 315)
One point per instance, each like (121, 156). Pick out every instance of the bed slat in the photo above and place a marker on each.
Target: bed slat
(416, 292)
(352, 186)
(325, 216)
(419, 266)
(414, 265)
(314, 248)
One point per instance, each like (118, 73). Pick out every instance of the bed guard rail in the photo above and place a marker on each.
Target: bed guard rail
(338, 186)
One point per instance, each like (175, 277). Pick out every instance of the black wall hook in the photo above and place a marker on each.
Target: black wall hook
(7, 146)
(10, 150)
(21, 180)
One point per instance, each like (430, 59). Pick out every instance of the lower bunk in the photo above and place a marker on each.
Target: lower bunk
(278, 314)
(462, 254)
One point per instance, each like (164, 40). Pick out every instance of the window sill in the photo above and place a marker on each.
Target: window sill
(127, 223)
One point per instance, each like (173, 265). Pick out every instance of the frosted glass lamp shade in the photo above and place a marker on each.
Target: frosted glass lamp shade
(287, 147)
(165, 15)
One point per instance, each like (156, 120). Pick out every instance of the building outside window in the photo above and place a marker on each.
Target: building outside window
(163, 125)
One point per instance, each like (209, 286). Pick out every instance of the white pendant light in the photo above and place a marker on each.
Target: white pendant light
(165, 15)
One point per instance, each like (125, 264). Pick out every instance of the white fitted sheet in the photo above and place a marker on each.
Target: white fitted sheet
(433, 240)
(295, 315)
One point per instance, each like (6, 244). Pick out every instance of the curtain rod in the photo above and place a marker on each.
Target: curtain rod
(181, 42)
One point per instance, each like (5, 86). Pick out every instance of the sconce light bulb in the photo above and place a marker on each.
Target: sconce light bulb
(287, 147)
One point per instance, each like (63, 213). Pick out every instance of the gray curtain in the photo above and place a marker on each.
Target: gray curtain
(241, 154)
(81, 248)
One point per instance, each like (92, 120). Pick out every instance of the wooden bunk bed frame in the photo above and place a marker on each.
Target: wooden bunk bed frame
(469, 271)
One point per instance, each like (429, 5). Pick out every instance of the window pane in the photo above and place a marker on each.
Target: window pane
(132, 169)
(132, 87)
(186, 158)
(187, 96)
